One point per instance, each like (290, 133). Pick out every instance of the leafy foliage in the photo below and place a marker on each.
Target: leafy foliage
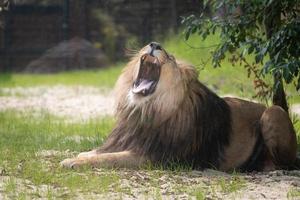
(269, 30)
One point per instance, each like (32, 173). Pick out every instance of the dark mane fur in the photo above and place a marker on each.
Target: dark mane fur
(196, 134)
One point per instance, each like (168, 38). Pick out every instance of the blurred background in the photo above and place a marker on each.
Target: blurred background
(87, 43)
(47, 36)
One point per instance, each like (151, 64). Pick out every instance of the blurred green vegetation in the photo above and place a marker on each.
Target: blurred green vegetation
(110, 37)
(99, 78)
(226, 79)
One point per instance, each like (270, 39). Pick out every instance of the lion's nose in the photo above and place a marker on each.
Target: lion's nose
(155, 46)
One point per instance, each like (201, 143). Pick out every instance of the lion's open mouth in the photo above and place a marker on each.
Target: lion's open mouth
(148, 75)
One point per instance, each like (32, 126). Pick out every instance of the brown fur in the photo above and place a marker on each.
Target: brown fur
(184, 122)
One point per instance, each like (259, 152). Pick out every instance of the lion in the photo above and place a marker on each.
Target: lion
(165, 115)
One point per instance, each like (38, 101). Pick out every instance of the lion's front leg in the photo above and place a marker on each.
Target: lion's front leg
(126, 159)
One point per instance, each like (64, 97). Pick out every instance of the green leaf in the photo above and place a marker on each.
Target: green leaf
(250, 49)
(287, 75)
(276, 57)
(264, 51)
(259, 57)
(245, 34)
(187, 35)
(268, 67)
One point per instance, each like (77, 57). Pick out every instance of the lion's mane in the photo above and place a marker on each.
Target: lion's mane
(187, 124)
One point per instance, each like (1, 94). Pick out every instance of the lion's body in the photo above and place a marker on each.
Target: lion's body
(183, 121)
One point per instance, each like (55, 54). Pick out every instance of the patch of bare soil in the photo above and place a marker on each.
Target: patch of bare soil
(157, 184)
(212, 184)
(16, 188)
(74, 102)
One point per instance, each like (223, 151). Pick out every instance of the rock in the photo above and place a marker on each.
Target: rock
(73, 54)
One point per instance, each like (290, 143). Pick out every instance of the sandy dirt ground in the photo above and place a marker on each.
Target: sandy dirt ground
(76, 102)
(143, 184)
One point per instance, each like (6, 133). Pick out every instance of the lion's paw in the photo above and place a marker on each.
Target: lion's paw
(72, 163)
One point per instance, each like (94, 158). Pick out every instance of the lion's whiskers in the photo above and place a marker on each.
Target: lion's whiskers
(130, 52)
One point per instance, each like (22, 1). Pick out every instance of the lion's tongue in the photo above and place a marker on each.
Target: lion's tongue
(142, 87)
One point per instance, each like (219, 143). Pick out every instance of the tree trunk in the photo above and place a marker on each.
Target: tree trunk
(272, 23)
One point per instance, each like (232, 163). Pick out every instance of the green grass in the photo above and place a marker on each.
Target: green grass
(30, 131)
(24, 135)
(232, 185)
(199, 193)
(99, 78)
(293, 193)
(10, 186)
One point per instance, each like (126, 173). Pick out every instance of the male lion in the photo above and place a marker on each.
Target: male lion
(165, 115)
